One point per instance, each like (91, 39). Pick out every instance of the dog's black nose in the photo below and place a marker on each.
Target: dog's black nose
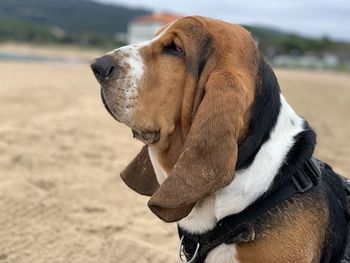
(102, 68)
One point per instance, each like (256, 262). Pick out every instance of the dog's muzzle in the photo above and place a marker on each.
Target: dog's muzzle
(106, 106)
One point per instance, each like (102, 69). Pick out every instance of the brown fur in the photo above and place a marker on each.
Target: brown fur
(227, 78)
(145, 182)
(199, 133)
(202, 104)
(292, 232)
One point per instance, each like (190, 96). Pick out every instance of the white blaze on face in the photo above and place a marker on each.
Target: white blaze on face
(134, 62)
(122, 95)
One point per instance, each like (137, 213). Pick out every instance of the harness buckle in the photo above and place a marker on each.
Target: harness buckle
(303, 184)
(315, 169)
(308, 176)
(181, 252)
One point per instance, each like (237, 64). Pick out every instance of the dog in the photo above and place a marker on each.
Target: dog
(225, 155)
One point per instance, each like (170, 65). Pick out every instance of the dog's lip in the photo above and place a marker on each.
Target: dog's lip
(106, 105)
(147, 136)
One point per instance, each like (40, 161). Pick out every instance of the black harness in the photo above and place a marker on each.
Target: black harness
(239, 227)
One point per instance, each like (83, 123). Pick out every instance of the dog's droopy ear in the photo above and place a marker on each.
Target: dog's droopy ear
(209, 156)
(139, 174)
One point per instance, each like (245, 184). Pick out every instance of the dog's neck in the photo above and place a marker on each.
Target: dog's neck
(249, 183)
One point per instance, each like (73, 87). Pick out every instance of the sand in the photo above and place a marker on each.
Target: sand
(61, 199)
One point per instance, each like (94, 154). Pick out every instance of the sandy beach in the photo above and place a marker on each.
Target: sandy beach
(61, 198)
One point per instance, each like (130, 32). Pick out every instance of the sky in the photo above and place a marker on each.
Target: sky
(315, 18)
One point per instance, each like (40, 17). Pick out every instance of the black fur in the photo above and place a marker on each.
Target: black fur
(197, 59)
(265, 112)
(302, 150)
(205, 51)
(331, 190)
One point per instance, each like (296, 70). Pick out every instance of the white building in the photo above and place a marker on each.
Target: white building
(143, 28)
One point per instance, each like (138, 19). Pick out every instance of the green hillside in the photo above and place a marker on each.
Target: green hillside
(71, 15)
(12, 29)
(79, 22)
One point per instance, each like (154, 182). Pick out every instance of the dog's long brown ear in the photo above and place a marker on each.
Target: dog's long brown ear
(139, 174)
(208, 160)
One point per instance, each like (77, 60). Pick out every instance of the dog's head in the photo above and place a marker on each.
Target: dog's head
(188, 93)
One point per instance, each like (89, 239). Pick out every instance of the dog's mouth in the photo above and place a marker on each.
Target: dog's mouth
(106, 106)
(145, 136)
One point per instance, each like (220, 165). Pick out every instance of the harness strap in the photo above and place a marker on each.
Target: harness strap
(239, 228)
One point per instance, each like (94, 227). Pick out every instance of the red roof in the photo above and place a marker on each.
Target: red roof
(157, 17)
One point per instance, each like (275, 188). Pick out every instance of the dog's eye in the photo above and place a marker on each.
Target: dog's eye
(178, 49)
(174, 49)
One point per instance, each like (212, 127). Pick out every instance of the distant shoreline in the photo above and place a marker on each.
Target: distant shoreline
(25, 52)
(11, 56)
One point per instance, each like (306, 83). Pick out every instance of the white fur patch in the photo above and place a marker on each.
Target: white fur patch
(158, 169)
(126, 91)
(130, 58)
(223, 254)
(202, 217)
(249, 184)
(133, 60)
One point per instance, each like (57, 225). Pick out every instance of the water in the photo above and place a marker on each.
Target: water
(11, 56)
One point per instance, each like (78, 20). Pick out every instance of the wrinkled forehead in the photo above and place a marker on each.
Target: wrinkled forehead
(196, 28)
(183, 27)
(179, 24)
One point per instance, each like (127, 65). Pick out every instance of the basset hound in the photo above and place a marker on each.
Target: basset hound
(219, 137)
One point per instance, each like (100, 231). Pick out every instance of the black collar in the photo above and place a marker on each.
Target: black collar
(239, 228)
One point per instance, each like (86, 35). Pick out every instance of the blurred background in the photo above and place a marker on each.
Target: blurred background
(61, 199)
